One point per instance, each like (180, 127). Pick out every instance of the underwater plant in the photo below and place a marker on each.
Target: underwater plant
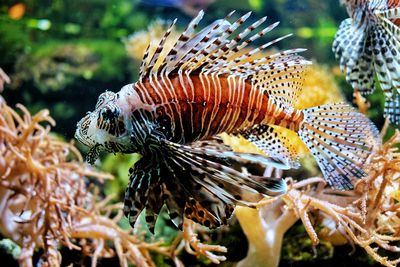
(368, 44)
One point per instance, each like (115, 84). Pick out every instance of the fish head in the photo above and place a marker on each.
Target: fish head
(107, 128)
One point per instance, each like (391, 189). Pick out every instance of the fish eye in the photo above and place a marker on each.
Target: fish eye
(110, 121)
(109, 114)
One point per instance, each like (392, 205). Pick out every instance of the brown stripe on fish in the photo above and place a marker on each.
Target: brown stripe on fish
(201, 106)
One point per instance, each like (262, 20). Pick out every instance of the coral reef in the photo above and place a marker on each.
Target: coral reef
(367, 217)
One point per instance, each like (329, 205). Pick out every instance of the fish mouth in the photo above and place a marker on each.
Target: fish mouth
(82, 131)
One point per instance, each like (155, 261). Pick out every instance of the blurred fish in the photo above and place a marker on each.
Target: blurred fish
(203, 86)
(190, 7)
(368, 43)
(17, 11)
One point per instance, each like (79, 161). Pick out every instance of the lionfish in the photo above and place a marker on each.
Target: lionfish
(205, 85)
(368, 43)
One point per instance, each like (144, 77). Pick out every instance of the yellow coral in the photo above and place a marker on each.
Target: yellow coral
(136, 44)
(319, 88)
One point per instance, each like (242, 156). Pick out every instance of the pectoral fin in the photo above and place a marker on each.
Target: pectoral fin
(198, 182)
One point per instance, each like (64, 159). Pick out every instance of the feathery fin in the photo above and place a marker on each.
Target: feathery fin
(273, 143)
(340, 140)
(368, 43)
(198, 181)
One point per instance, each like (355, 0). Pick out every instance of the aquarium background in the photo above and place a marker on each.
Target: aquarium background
(60, 55)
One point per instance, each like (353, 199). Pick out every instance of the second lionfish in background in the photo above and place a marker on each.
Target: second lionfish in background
(368, 43)
(201, 87)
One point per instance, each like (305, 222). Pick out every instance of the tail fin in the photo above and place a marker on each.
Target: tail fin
(340, 139)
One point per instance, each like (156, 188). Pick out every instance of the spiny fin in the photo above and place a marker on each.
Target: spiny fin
(156, 56)
(214, 51)
(204, 40)
(185, 47)
(204, 59)
(219, 164)
(341, 140)
(392, 13)
(368, 43)
(386, 59)
(200, 183)
(172, 56)
(353, 49)
(273, 143)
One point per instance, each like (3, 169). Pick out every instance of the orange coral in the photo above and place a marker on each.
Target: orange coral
(45, 201)
(368, 216)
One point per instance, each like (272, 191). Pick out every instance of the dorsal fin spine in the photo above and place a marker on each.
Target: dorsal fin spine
(191, 46)
(198, 61)
(252, 52)
(144, 62)
(223, 50)
(231, 48)
(182, 40)
(155, 58)
(201, 45)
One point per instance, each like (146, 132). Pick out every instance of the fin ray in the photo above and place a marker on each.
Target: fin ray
(196, 181)
(340, 152)
(273, 143)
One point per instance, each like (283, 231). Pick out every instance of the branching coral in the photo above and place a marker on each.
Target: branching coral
(189, 240)
(367, 216)
(45, 201)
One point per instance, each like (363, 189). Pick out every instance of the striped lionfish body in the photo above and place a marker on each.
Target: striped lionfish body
(201, 106)
(368, 44)
(202, 87)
